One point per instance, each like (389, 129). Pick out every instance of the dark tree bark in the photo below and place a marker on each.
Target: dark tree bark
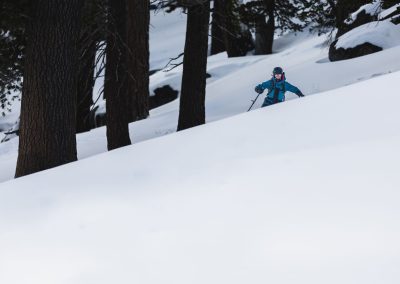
(85, 89)
(230, 29)
(87, 45)
(217, 28)
(115, 85)
(138, 57)
(265, 30)
(238, 41)
(47, 133)
(192, 99)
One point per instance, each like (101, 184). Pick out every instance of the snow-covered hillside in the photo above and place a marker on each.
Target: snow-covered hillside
(305, 192)
(231, 86)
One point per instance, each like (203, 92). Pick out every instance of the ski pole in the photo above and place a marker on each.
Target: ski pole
(254, 102)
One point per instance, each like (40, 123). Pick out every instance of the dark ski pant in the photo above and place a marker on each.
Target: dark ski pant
(269, 101)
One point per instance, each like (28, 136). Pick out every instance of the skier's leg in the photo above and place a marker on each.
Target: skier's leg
(267, 102)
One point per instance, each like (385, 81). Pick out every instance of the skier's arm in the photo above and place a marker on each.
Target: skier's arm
(289, 87)
(261, 87)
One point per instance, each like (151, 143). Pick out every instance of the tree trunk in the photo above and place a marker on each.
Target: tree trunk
(87, 58)
(231, 29)
(262, 37)
(138, 57)
(217, 28)
(238, 40)
(48, 111)
(85, 89)
(265, 31)
(115, 85)
(192, 99)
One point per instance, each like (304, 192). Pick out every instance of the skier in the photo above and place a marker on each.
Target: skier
(277, 87)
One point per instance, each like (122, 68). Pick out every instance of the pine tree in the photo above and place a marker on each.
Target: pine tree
(192, 99)
(228, 33)
(138, 22)
(218, 27)
(118, 110)
(47, 130)
(13, 20)
(321, 15)
(265, 30)
(281, 16)
(237, 36)
(89, 36)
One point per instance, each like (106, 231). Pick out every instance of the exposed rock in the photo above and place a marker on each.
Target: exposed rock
(336, 54)
(396, 20)
(162, 96)
(151, 72)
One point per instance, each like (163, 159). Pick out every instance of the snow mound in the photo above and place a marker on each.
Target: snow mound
(384, 34)
(389, 11)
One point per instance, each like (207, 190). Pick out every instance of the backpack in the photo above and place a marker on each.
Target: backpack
(283, 79)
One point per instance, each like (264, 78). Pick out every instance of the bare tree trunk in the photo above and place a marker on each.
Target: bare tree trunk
(87, 43)
(231, 30)
(217, 28)
(48, 111)
(192, 99)
(138, 57)
(238, 39)
(262, 38)
(265, 31)
(85, 90)
(115, 85)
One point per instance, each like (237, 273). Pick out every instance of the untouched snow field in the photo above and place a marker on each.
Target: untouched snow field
(300, 192)
(306, 191)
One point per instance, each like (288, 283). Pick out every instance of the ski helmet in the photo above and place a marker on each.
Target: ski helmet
(277, 70)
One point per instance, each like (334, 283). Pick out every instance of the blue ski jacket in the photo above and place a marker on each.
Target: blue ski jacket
(282, 86)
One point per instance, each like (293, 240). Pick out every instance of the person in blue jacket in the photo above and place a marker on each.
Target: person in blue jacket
(277, 88)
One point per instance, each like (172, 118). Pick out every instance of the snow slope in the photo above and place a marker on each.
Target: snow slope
(162, 48)
(231, 88)
(384, 34)
(301, 192)
(304, 57)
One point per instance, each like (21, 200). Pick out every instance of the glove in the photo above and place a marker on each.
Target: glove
(258, 90)
(300, 95)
